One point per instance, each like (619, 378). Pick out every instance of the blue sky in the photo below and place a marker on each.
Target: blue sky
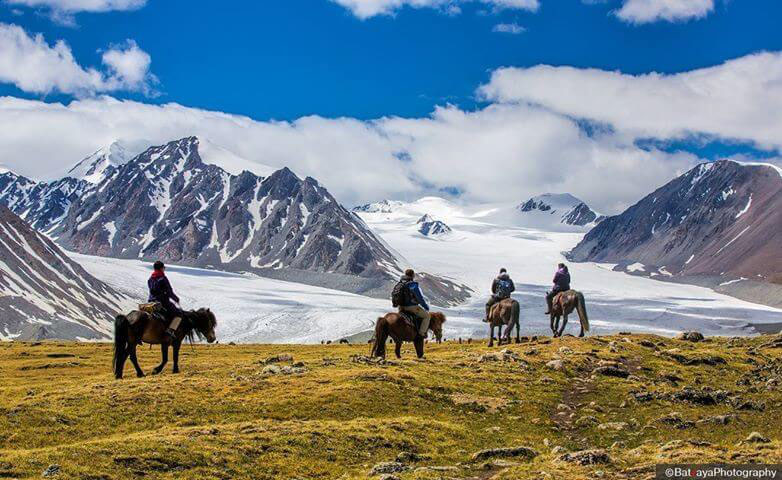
(479, 100)
(285, 59)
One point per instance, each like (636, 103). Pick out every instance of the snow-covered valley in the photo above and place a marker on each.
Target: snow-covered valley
(483, 239)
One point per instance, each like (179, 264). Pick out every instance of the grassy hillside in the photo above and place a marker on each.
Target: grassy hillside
(635, 399)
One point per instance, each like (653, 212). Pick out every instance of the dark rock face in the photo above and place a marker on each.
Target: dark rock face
(719, 220)
(45, 293)
(431, 228)
(565, 207)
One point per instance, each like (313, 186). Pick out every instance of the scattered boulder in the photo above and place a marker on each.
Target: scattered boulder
(756, 437)
(490, 357)
(612, 371)
(699, 397)
(587, 457)
(389, 476)
(388, 467)
(409, 457)
(555, 365)
(691, 336)
(271, 370)
(51, 471)
(514, 452)
(565, 350)
(283, 357)
(675, 419)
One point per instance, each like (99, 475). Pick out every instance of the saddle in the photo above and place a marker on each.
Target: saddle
(411, 320)
(155, 310)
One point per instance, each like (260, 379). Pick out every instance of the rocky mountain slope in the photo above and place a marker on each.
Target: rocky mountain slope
(562, 207)
(570, 409)
(169, 203)
(718, 224)
(430, 227)
(47, 295)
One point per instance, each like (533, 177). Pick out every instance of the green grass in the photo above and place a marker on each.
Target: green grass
(223, 418)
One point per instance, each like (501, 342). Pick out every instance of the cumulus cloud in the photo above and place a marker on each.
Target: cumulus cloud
(647, 11)
(62, 11)
(369, 8)
(34, 66)
(739, 99)
(512, 28)
(504, 152)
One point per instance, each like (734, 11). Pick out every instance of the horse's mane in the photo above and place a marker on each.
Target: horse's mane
(196, 321)
(440, 316)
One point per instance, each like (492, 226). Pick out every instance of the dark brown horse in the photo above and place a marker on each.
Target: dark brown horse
(504, 312)
(394, 326)
(138, 325)
(564, 304)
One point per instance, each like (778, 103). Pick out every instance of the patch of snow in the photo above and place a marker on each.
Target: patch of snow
(746, 208)
(636, 267)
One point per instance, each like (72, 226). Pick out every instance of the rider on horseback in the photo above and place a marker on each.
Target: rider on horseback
(501, 288)
(160, 291)
(561, 284)
(408, 297)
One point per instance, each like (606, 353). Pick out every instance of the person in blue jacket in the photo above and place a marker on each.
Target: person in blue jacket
(160, 291)
(414, 302)
(561, 284)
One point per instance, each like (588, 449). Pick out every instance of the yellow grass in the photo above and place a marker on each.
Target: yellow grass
(223, 418)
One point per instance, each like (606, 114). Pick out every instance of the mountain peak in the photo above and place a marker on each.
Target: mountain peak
(101, 163)
(565, 207)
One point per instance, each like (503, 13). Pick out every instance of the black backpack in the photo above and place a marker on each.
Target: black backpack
(503, 288)
(400, 295)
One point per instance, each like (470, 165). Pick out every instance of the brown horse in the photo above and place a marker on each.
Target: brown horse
(504, 312)
(564, 304)
(394, 326)
(138, 325)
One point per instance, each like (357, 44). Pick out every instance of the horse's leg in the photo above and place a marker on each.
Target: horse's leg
(134, 360)
(518, 333)
(176, 356)
(419, 347)
(564, 324)
(163, 358)
(553, 327)
(398, 348)
(491, 334)
(122, 356)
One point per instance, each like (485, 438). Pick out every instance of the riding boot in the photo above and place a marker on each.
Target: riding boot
(550, 303)
(171, 330)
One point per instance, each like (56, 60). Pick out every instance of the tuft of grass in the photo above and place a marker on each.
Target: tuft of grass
(224, 418)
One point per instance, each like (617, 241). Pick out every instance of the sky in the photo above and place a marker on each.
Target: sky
(483, 101)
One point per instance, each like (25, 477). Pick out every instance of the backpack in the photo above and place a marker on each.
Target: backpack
(503, 288)
(400, 295)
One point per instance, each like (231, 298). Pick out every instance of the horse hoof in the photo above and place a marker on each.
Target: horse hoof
(140, 375)
(174, 371)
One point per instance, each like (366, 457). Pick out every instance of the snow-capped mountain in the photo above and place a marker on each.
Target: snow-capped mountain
(560, 207)
(45, 294)
(720, 220)
(100, 165)
(172, 204)
(430, 227)
(383, 206)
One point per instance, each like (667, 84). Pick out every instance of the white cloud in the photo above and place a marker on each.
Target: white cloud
(62, 11)
(647, 11)
(34, 66)
(500, 153)
(740, 99)
(369, 8)
(512, 28)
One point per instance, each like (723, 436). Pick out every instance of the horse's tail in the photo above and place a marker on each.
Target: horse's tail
(582, 311)
(121, 326)
(381, 336)
(515, 313)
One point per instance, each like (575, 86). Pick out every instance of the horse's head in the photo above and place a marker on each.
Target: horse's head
(205, 323)
(436, 321)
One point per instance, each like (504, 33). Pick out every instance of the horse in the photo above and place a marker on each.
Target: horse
(138, 325)
(504, 312)
(563, 305)
(395, 326)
